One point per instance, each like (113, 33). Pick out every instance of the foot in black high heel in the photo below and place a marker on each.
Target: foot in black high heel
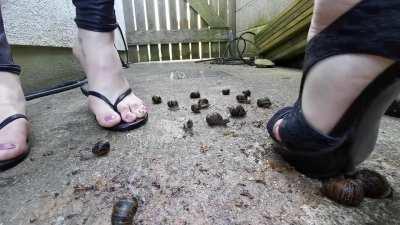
(369, 28)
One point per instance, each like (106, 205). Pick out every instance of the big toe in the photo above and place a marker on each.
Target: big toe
(105, 115)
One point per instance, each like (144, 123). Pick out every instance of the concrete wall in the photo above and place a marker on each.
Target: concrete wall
(43, 22)
(252, 13)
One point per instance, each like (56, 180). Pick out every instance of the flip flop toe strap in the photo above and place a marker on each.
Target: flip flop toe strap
(106, 100)
(11, 119)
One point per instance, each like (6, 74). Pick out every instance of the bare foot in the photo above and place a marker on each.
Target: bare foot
(12, 101)
(330, 89)
(101, 63)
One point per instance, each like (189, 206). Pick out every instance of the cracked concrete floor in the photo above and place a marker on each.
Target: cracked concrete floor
(217, 176)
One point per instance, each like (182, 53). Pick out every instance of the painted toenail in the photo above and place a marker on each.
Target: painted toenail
(109, 118)
(7, 146)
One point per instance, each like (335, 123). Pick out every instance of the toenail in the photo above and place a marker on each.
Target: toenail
(7, 146)
(109, 118)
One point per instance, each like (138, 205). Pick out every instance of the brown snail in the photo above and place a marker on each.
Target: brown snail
(194, 95)
(344, 191)
(243, 99)
(237, 112)
(203, 103)
(195, 108)
(123, 211)
(156, 100)
(173, 105)
(264, 102)
(226, 91)
(101, 148)
(374, 184)
(215, 119)
(247, 93)
(188, 127)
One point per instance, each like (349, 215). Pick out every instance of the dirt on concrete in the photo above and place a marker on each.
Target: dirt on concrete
(222, 175)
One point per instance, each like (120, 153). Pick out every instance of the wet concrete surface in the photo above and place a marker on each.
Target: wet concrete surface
(221, 175)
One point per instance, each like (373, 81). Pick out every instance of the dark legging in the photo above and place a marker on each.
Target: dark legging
(94, 15)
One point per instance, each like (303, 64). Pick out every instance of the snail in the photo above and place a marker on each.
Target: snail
(243, 99)
(203, 103)
(215, 119)
(188, 127)
(237, 112)
(173, 105)
(374, 184)
(344, 191)
(156, 100)
(123, 211)
(247, 93)
(101, 148)
(194, 95)
(195, 108)
(226, 91)
(264, 102)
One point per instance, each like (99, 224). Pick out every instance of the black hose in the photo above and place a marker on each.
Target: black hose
(228, 58)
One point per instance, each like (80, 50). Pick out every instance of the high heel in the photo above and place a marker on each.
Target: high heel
(370, 27)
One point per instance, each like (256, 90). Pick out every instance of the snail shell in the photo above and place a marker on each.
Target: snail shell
(156, 100)
(226, 91)
(375, 185)
(173, 104)
(264, 102)
(247, 93)
(101, 148)
(194, 95)
(195, 108)
(215, 119)
(237, 111)
(344, 191)
(123, 211)
(203, 103)
(243, 99)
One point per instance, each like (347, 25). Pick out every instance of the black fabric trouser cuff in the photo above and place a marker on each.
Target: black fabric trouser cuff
(95, 15)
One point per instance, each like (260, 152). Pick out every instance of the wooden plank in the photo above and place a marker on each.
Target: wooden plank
(165, 52)
(195, 51)
(128, 16)
(133, 54)
(223, 10)
(184, 25)
(155, 56)
(207, 13)
(176, 36)
(174, 26)
(151, 17)
(215, 49)
(193, 19)
(205, 50)
(141, 27)
(143, 53)
(162, 15)
(185, 51)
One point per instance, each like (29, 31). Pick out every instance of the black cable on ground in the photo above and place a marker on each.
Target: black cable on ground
(228, 57)
(69, 85)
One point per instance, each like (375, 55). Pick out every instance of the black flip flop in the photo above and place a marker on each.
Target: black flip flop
(123, 126)
(7, 164)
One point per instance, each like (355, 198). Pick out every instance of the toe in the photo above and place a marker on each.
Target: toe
(276, 130)
(139, 110)
(126, 113)
(105, 116)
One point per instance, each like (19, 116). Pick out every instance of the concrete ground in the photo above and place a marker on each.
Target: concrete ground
(217, 176)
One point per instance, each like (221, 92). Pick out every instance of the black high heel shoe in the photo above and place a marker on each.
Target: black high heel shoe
(370, 27)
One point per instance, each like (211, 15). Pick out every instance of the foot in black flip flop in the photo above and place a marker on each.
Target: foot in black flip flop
(110, 97)
(351, 75)
(14, 126)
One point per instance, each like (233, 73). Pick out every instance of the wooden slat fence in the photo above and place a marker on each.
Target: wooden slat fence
(165, 30)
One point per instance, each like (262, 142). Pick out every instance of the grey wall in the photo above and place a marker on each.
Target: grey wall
(252, 13)
(43, 22)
